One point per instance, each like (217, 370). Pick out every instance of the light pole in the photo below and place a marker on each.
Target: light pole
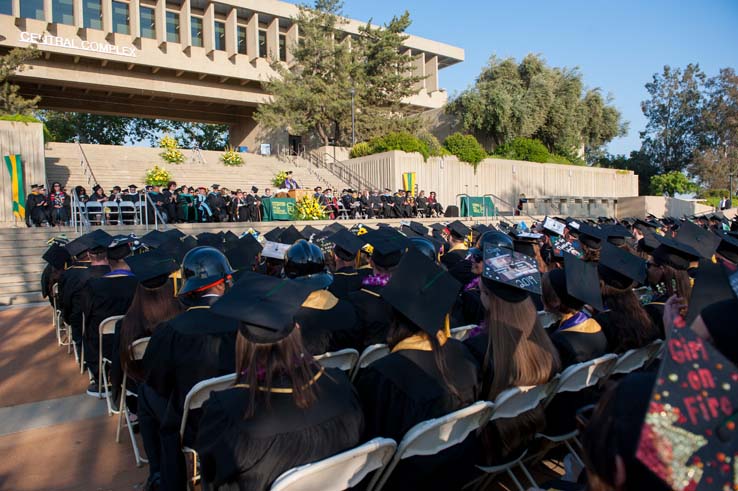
(353, 118)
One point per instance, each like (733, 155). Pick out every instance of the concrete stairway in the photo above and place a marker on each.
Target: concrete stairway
(116, 165)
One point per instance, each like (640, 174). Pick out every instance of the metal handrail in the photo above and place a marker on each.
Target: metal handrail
(77, 207)
(343, 172)
(512, 207)
(157, 215)
(85, 163)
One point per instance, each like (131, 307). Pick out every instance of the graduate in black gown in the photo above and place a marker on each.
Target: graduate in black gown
(373, 311)
(243, 255)
(326, 322)
(36, 207)
(457, 234)
(56, 257)
(346, 278)
(426, 375)
(285, 410)
(193, 346)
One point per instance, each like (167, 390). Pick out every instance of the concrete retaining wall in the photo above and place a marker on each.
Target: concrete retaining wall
(26, 140)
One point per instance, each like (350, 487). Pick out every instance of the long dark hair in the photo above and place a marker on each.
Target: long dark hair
(401, 328)
(259, 364)
(150, 307)
(635, 329)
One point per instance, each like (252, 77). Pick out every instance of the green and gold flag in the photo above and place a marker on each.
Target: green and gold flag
(17, 188)
(408, 182)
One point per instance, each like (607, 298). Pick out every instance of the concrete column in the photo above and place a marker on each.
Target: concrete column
(16, 8)
(242, 133)
(160, 21)
(273, 40)
(134, 11)
(208, 29)
(431, 72)
(78, 20)
(107, 16)
(48, 14)
(419, 70)
(252, 37)
(185, 25)
(231, 33)
(292, 40)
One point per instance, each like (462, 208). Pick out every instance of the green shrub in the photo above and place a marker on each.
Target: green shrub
(361, 149)
(558, 159)
(466, 148)
(435, 149)
(524, 149)
(400, 140)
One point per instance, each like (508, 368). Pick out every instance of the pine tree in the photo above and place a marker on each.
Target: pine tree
(11, 102)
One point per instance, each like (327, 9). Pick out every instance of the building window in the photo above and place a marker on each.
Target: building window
(262, 44)
(92, 14)
(121, 20)
(172, 27)
(220, 36)
(241, 31)
(6, 7)
(148, 23)
(282, 47)
(196, 27)
(63, 12)
(32, 9)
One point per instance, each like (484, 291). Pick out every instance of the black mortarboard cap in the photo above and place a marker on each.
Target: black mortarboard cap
(121, 246)
(525, 247)
(230, 238)
(458, 229)
(78, 246)
(703, 241)
(290, 235)
(265, 306)
(689, 430)
(309, 232)
(646, 224)
(57, 256)
(619, 268)
(175, 233)
(481, 228)
(674, 253)
(346, 243)
(209, 239)
(511, 275)
(711, 284)
(388, 246)
(334, 227)
(152, 265)
(242, 252)
(273, 234)
(155, 238)
(417, 229)
(422, 291)
(649, 242)
(728, 247)
(438, 226)
(616, 234)
(590, 236)
(583, 281)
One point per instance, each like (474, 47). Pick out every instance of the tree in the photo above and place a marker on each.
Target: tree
(673, 114)
(672, 183)
(89, 128)
(532, 100)
(11, 102)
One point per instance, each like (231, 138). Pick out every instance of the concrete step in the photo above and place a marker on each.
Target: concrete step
(11, 279)
(21, 298)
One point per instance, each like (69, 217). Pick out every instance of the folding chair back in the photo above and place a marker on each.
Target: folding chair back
(138, 348)
(94, 211)
(547, 318)
(127, 210)
(583, 375)
(344, 359)
(140, 211)
(634, 359)
(107, 327)
(461, 333)
(201, 392)
(515, 401)
(435, 435)
(370, 355)
(342, 471)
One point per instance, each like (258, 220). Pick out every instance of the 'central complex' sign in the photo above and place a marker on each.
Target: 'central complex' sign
(62, 42)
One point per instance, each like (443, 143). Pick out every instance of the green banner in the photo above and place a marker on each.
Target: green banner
(476, 206)
(277, 209)
(17, 188)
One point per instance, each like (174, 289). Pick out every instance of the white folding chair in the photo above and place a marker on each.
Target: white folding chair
(547, 318)
(462, 332)
(344, 359)
(80, 357)
(343, 213)
(435, 435)
(370, 355)
(510, 404)
(138, 348)
(574, 379)
(140, 211)
(56, 319)
(197, 395)
(113, 213)
(127, 211)
(107, 327)
(342, 471)
(94, 212)
(634, 359)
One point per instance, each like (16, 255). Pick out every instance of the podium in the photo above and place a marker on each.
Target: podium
(296, 194)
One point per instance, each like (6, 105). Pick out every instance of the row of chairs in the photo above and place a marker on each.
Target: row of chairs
(114, 211)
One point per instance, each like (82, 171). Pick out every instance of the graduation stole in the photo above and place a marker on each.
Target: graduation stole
(421, 340)
(579, 322)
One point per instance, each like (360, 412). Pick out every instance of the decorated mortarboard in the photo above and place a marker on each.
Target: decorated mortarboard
(619, 268)
(265, 306)
(273, 235)
(422, 291)
(728, 247)
(674, 253)
(512, 274)
(581, 282)
(388, 246)
(526, 236)
(711, 284)
(689, 438)
(572, 224)
(57, 256)
(703, 241)
(153, 265)
(590, 236)
(290, 235)
(347, 244)
(230, 238)
(553, 226)
(274, 250)
(458, 229)
(309, 232)
(242, 252)
(155, 238)
(209, 239)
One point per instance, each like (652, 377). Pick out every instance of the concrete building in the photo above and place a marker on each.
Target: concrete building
(191, 60)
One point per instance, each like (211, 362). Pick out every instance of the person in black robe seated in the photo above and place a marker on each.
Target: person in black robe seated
(346, 278)
(512, 347)
(625, 322)
(373, 311)
(285, 410)
(110, 294)
(457, 233)
(153, 303)
(427, 374)
(56, 257)
(577, 336)
(36, 207)
(193, 346)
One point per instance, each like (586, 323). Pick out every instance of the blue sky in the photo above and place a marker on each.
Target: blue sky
(618, 45)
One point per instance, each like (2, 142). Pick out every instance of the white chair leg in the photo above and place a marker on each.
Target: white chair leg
(574, 453)
(515, 480)
(528, 475)
(121, 407)
(82, 358)
(104, 378)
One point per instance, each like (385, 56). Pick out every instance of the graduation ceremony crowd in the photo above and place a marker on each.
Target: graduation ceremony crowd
(263, 305)
(186, 204)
